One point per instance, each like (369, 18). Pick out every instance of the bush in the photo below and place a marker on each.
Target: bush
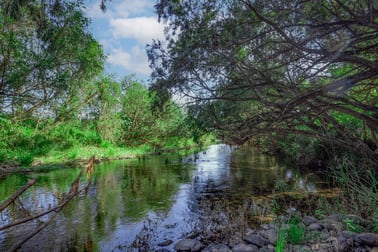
(25, 158)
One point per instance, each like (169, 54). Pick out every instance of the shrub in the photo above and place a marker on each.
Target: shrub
(25, 158)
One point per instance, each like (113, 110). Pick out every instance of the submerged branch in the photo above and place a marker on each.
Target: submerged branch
(72, 193)
(11, 199)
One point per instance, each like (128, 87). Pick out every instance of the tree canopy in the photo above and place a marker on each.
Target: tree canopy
(46, 56)
(275, 67)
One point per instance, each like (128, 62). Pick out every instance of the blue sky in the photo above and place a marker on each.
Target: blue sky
(124, 30)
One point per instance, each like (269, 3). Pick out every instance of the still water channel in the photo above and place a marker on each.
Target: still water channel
(150, 200)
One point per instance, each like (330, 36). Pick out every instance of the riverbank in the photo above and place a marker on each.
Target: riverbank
(290, 233)
(79, 156)
(291, 222)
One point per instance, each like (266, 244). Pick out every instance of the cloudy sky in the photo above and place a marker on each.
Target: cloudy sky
(124, 30)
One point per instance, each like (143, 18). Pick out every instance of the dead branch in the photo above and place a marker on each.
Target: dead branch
(72, 193)
(11, 199)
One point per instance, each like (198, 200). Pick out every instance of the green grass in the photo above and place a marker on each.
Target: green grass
(84, 152)
(295, 233)
(281, 240)
(352, 226)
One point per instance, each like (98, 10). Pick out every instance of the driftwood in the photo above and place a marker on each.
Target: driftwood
(17, 194)
(72, 193)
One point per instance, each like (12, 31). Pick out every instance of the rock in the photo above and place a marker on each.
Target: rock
(217, 248)
(343, 244)
(256, 239)
(235, 240)
(348, 234)
(268, 226)
(308, 220)
(162, 250)
(300, 248)
(334, 218)
(334, 226)
(368, 239)
(291, 210)
(165, 243)
(321, 247)
(269, 248)
(332, 241)
(188, 245)
(270, 235)
(245, 248)
(315, 226)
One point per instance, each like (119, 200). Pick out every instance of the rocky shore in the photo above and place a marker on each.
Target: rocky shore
(331, 233)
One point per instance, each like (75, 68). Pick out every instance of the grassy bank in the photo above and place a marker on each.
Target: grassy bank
(34, 143)
(108, 151)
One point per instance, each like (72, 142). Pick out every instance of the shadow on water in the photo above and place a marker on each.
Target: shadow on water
(148, 203)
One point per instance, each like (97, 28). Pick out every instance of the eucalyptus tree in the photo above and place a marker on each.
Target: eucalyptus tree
(47, 57)
(275, 67)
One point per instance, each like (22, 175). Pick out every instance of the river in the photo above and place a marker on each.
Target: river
(141, 203)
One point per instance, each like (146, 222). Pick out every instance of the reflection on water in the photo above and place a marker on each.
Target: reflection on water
(147, 201)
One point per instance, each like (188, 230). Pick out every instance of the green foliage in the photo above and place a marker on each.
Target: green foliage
(47, 55)
(352, 226)
(247, 77)
(297, 148)
(119, 115)
(281, 185)
(319, 213)
(25, 158)
(53, 101)
(359, 185)
(281, 241)
(295, 233)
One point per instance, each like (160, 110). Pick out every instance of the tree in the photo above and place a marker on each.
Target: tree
(47, 57)
(275, 67)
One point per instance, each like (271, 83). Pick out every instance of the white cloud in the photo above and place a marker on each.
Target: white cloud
(124, 30)
(134, 60)
(143, 29)
(132, 7)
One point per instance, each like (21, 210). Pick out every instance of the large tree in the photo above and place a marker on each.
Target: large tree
(47, 55)
(275, 67)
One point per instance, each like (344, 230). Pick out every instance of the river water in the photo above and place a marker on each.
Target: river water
(138, 204)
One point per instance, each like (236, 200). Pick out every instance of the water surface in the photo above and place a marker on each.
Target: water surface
(148, 200)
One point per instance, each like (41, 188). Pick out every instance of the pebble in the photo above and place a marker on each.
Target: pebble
(256, 239)
(368, 239)
(165, 243)
(269, 248)
(270, 235)
(308, 220)
(334, 226)
(315, 226)
(162, 250)
(328, 233)
(217, 248)
(188, 245)
(348, 234)
(245, 248)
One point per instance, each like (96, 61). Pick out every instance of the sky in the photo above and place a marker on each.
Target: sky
(123, 31)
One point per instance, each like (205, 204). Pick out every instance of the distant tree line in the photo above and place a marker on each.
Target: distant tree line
(53, 94)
